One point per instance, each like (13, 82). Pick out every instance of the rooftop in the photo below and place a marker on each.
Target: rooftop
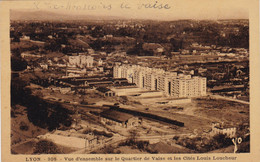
(103, 89)
(116, 115)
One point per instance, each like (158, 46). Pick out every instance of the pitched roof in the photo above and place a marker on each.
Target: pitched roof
(116, 115)
(103, 89)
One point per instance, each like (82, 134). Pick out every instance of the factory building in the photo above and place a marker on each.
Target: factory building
(116, 118)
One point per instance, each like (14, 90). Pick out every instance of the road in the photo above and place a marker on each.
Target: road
(115, 140)
(229, 99)
(83, 41)
(118, 139)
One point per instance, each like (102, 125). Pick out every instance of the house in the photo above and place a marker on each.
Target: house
(44, 66)
(90, 51)
(100, 68)
(100, 62)
(202, 70)
(116, 118)
(65, 90)
(73, 139)
(24, 37)
(220, 128)
(50, 36)
(29, 55)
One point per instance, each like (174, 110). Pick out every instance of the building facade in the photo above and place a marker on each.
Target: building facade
(171, 83)
(81, 61)
(218, 128)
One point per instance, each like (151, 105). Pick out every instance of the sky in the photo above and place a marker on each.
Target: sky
(172, 9)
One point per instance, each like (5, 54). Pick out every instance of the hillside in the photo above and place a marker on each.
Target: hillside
(51, 16)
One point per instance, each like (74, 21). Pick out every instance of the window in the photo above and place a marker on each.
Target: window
(169, 87)
(155, 84)
(143, 81)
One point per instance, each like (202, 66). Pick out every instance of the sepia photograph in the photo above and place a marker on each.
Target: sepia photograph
(83, 81)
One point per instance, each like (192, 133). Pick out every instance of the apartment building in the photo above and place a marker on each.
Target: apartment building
(171, 83)
(81, 61)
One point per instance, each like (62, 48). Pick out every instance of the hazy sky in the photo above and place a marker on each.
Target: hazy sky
(176, 9)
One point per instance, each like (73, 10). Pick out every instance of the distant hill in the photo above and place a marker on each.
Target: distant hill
(51, 16)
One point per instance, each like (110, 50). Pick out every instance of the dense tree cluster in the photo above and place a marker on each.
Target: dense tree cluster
(41, 113)
(178, 34)
(46, 147)
(205, 144)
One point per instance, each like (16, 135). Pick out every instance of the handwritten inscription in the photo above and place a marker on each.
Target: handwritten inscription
(70, 5)
(154, 5)
(125, 6)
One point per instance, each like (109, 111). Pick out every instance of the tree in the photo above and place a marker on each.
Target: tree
(136, 50)
(46, 147)
(18, 64)
(23, 126)
(133, 135)
(177, 44)
(221, 141)
(19, 92)
(52, 45)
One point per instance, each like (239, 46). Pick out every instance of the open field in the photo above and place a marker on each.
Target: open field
(222, 110)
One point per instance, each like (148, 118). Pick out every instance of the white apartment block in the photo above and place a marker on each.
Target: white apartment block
(81, 61)
(171, 83)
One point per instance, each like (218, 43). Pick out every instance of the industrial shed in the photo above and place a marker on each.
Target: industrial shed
(116, 118)
(105, 91)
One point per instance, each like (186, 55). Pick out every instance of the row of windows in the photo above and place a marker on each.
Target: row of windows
(159, 83)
